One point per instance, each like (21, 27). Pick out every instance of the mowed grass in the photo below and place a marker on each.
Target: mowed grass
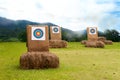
(76, 63)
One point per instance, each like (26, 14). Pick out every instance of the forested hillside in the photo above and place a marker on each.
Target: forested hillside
(15, 30)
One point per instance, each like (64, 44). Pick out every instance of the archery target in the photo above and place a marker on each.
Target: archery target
(38, 33)
(55, 29)
(92, 30)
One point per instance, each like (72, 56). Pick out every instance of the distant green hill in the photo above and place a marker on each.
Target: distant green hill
(14, 30)
(11, 29)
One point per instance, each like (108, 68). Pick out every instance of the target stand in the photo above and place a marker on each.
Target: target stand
(37, 38)
(38, 55)
(92, 33)
(55, 33)
(56, 40)
(92, 41)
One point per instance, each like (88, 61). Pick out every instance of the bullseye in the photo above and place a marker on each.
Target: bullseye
(38, 33)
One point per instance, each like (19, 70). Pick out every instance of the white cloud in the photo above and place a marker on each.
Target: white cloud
(72, 14)
(76, 14)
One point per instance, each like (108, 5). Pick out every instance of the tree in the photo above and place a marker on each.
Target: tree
(112, 35)
(23, 36)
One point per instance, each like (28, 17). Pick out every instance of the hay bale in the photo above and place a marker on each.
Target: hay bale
(90, 44)
(37, 45)
(95, 44)
(57, 44)
(92, 39)
(39, 60)
(100, 44)
(108, 42)
(101, 39)
(55, 36)
(83, 41)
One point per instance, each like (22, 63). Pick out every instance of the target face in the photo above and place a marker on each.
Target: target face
(92, 30)
(55, 29)
(38, 33)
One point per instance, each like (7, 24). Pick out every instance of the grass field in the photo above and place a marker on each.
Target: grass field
(76, 63)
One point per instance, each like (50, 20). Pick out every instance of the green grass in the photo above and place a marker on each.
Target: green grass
(76, 63)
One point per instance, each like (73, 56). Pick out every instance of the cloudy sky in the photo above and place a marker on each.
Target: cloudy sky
(71, 14)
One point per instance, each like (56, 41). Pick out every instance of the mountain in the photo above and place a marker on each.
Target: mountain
(12, 28)
(12, 24)
(15, 30)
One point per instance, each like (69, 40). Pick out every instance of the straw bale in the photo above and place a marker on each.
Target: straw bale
(101, 39)
(90, 44)
(37, 45)
(57, 44)
(108, 42)
(83, 41)
(95, 44)
(39, 60)
(92, 37)
(100, 44)
(55, 36)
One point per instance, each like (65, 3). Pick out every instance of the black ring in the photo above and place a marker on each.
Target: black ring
(92, 30)
(55, 29)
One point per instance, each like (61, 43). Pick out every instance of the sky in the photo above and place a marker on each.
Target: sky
(72, 14)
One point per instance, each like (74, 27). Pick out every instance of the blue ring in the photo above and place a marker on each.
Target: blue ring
(55, 29)
(38, 30)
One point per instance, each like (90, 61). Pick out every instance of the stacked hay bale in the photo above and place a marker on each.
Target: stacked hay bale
(56, 40)
(108, 42)
(83, 41)
(93, 40)
(57, 44)
(39, 60)
(103, 39)
(98, 43)
(38, 55)
(92, 33)
(95, 44)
